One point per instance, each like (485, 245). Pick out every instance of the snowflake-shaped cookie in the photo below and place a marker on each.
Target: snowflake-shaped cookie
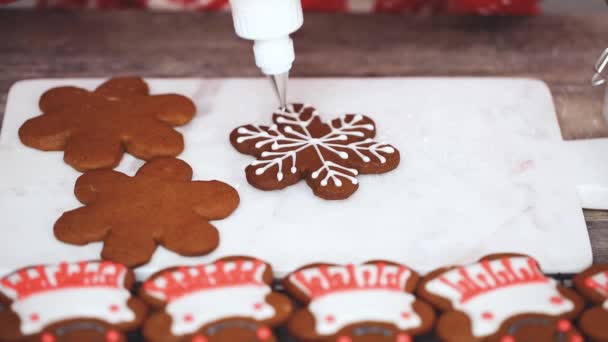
(96, 128)
(299, 145)
(159, 205)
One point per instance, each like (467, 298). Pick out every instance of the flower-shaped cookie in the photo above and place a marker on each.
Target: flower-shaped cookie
(95, 128)
(299, 145)
(159, 205)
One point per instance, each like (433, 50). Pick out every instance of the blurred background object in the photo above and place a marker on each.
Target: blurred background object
(481, 7)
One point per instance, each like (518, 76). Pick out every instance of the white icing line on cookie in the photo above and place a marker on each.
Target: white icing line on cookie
(285, 148)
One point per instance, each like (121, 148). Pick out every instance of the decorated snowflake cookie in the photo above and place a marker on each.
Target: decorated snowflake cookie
(228, 300)
(593, 284)
(160, 205)
(502, 298)
(328, 155)
(69, 302)
(368, 302)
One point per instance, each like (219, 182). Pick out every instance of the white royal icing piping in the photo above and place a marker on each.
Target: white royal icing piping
(491, 308)
(189, 313)
(356, 306)
(55, 304)
(202, 294)
(371, 293)
(301, 141)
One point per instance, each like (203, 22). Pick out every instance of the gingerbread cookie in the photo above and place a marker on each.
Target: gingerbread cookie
(503, 297)
(159, 205)
(328, 155)
(357, 303)
(593, 284)
(70, 302)
(95, 128)
(227, 300)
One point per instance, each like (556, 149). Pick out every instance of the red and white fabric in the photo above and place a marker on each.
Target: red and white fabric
(480, 7)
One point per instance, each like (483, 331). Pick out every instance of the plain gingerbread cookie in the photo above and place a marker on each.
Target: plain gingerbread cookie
(96, 128)
(160, 205)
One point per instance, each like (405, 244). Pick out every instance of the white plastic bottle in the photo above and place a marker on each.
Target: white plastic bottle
(269, 23)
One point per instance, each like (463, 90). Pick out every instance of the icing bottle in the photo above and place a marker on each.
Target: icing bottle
(269, 23)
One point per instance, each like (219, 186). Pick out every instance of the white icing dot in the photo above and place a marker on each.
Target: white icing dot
(357, 117)
(279, 176)
(259, 171)
(293, 169)
(343, 155)
(242, 130)
(338, 182)
(274, 146)
(288, 129)
(342, 137)
(354, 181)
(388, 149)
(259, 144)
(382, 159)
(323, 182)
(265, 154)
(315, 175)
(160, 282)
(366, 159)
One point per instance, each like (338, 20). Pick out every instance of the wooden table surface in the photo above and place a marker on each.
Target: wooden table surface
(558, 50)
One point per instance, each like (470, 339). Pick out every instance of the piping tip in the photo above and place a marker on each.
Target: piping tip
(598, 80)
(279, 84)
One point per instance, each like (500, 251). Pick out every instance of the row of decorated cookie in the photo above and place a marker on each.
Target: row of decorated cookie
(502, 298)
(161, 204)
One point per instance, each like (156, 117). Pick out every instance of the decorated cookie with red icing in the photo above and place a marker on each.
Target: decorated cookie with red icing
(502, 297)
(357, 303)
(299, 145)
(228, 300)
(593, 284)
(70, 302)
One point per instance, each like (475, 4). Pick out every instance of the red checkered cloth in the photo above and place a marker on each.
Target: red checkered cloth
(480, 7)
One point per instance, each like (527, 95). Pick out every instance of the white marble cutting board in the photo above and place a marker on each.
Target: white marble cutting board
(481, 171)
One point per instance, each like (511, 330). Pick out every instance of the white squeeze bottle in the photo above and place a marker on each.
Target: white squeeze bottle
(269, 23)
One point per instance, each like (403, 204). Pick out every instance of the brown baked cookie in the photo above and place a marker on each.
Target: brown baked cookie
(328, 155)
(593, 284)
(70, 302)
(95, 128)
(372, 302)
(159, 205)
(227, 300)
(502, 297)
